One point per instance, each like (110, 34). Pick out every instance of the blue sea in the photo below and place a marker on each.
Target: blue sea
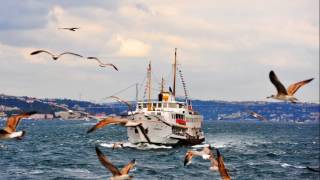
(60, 149)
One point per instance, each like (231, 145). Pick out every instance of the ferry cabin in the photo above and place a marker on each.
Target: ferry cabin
(172, 111)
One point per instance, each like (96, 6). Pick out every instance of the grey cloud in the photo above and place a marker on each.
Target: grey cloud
(142, 7)
(31, 14)
(20, 15)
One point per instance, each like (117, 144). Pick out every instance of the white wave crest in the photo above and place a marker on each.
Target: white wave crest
(198, 146)
(285, 165)
(89, 123)
(141, 146)
(36, 172)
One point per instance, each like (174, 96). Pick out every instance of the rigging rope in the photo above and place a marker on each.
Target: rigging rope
(183, 84)
(124, 89)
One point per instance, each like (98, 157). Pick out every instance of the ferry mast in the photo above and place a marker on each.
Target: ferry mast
(149, 87)
(174, 72)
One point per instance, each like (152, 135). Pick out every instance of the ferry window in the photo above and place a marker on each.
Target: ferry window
(159, 105)
(144, 105)
(165, 105)
(172, 105)
(180, 105)
(154, 105)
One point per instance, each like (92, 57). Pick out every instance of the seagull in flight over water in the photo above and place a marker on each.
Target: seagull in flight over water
(205, 153)
(114, 120)
(117, 174)
(9, 132)
(123, 122)
(70, 29)
(54, 57)
(117, 145)
(258, 116)
(223, 171)
(101, 64)
(122, 101)
(283, 93)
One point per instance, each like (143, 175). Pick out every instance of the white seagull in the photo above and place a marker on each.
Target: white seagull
(117, 174)
(9, 132)
(70, 29)
(101, 64)
(283, 93)
(54, 57)
(222, 170)
(205, 153)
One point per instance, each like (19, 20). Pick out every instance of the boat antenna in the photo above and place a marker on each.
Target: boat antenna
(137, 92)
(174, 71)
(149, 86)
(162, 84)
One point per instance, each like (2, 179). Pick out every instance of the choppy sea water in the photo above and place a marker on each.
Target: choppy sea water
(252, 150)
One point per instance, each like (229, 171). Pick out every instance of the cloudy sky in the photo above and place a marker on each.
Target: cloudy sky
(226, 48)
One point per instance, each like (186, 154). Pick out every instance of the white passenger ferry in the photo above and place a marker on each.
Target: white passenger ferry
(166, 121)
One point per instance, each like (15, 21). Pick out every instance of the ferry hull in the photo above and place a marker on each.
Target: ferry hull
(159, 132)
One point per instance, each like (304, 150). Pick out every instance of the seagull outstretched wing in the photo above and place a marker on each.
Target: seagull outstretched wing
(279, 86)
(293, 88)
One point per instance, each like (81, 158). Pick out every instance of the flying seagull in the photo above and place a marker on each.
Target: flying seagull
(117, 145)
(114, 120)
(120, 121)
(70, 29)
(122, 101)
(205, 153)
(101, 64)
(258, 116)
(283, 93)
(223, 171)
(9, 132)
(54, 57)
(214, 165)
(117, 174)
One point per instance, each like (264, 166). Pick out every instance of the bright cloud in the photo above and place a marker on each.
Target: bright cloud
(133, 48)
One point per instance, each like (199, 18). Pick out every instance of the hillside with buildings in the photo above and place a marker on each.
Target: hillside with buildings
(211, 110)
